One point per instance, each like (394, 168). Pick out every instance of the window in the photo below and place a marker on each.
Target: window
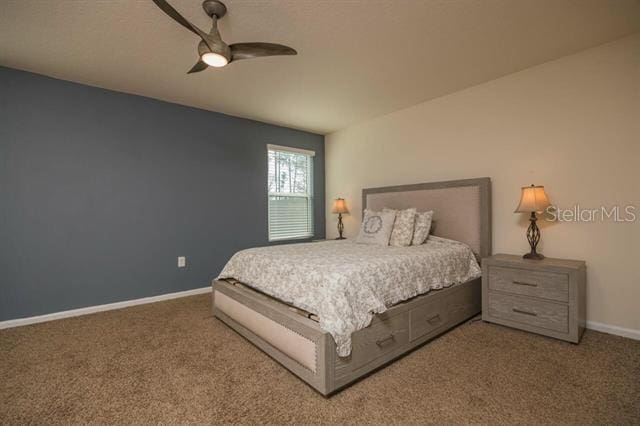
(290, 189)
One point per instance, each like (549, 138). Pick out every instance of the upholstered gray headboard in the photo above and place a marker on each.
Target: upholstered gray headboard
(462, 208)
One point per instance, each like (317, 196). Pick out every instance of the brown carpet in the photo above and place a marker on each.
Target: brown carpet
(172, 362)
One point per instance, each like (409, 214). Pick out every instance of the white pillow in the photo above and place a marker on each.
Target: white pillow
(422, 227)
(376, 227)
(402, 233)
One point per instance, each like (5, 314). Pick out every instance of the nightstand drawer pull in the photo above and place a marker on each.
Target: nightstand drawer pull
(525, 283)
(433, 318)
(520, 311)
(387, 340)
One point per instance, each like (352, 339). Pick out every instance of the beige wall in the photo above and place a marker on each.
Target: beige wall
(572, 125)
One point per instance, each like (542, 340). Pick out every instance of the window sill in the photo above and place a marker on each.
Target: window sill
(292, 239)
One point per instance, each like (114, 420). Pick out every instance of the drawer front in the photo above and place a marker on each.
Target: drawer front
(524, 310)
(379, 339)
(546, 285)
(427, 318)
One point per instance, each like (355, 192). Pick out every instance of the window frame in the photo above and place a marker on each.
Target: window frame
(309, 195)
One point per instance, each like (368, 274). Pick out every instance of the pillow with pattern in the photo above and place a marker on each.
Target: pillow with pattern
(376, 227)
(402, 232)
(422, 227)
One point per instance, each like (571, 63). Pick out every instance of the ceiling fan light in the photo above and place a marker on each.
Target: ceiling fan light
(214, 60)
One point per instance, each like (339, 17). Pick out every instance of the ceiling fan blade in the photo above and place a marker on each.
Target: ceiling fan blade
(258, 50)
(199, 66)
(175, 15)
(169, 10)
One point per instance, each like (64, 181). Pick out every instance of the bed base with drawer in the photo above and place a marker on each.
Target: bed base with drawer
(298, 343)
(294, 338)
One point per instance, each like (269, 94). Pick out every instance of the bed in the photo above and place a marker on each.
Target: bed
(256, 297)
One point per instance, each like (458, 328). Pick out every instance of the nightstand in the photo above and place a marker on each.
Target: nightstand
(545, 296)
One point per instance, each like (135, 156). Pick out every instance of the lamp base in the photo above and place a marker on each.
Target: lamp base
(340, 227)
(533, 236)
(535, 256)
(340, 238)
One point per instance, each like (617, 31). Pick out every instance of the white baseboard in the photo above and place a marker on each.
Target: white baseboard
(592, 325)
(614, 329)
(100, 308)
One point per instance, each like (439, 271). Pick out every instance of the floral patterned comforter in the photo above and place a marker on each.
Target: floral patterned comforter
(345, 283)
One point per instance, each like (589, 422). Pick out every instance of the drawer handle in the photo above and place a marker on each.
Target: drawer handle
(524, 283)
(433, 318)
(520, 311)
(386, 341)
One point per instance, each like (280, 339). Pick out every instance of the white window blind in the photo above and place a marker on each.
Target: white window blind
(290, 186)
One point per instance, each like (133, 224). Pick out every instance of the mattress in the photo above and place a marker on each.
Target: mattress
(345, 284)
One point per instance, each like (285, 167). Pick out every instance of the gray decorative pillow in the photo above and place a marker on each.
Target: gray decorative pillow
(422, 227)
(376, 227)
(403, 227)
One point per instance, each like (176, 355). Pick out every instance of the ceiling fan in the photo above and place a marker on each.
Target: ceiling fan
(213, 51)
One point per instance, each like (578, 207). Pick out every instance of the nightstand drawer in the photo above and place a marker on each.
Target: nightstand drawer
(546, 285)
(525, 310)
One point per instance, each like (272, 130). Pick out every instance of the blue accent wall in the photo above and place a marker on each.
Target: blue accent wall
(101, 191)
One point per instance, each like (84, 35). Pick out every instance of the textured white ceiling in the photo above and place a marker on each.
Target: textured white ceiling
(357, 59)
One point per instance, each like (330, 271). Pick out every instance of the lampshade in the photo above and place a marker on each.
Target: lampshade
(533, 199)
(339, 206)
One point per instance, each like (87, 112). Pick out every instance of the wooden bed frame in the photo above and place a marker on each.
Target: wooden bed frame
(462, 211)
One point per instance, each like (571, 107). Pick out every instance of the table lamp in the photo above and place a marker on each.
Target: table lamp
(340, 207)
(533, 199)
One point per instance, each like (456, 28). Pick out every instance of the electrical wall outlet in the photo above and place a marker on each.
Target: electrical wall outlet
(182, 261)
